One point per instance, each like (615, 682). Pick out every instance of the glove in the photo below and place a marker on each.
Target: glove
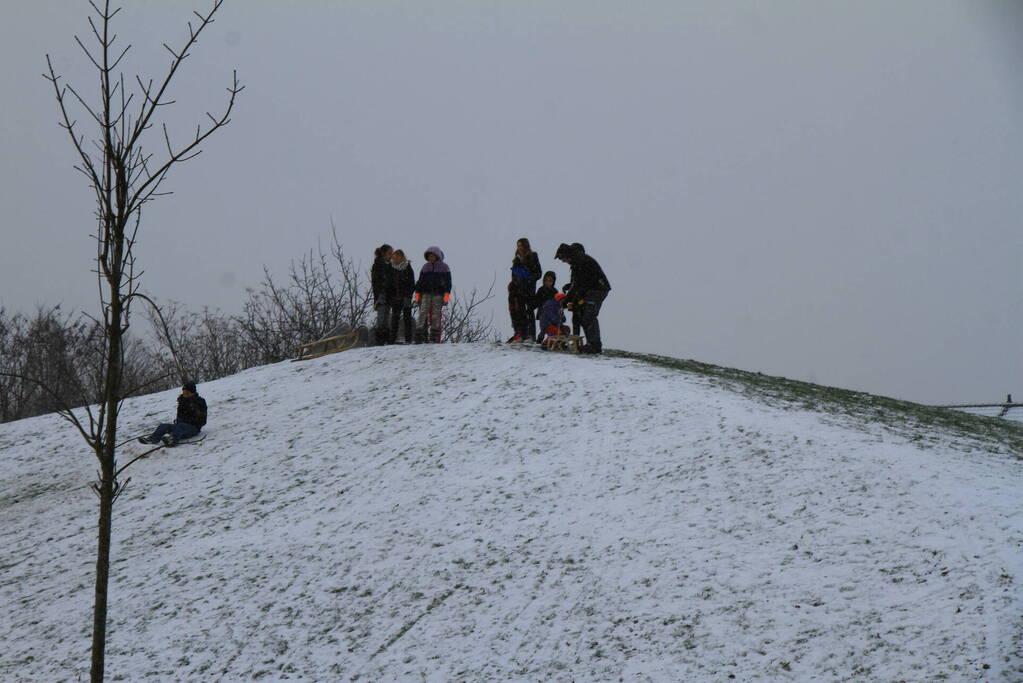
(417, 296)
(447, 298)
(569, 305)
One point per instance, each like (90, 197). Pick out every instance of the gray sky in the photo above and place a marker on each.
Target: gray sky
(828, 191)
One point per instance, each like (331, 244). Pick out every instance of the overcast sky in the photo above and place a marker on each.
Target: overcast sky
(829, 191)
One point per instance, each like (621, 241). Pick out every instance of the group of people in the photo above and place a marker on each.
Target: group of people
(395, 288)
(583, 296)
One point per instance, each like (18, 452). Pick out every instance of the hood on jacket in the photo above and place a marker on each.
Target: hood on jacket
(552, 275)
(436, 251)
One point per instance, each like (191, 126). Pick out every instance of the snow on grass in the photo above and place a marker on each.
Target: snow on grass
(470, 512)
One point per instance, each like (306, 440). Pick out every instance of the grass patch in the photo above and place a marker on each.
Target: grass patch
(32, 490)
(912, 420)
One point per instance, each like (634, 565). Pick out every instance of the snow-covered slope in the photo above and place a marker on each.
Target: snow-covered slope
(471, 512)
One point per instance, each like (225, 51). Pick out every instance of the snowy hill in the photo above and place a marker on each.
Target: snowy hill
(479, 513)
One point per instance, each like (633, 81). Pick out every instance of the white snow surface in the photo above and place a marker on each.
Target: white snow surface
(480, 513)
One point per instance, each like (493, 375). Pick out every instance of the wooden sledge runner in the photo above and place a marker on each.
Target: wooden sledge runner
(570, 343)
(335, 344)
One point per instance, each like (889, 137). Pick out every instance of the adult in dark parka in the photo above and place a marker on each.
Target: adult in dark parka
(589, 288)
(380, 279)
(525, 272)
(576, 310)
(401, 289)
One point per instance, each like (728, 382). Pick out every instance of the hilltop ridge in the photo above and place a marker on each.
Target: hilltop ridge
(481, 513)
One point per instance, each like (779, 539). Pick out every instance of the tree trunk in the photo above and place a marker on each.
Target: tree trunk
(108, 465)
(99, 614)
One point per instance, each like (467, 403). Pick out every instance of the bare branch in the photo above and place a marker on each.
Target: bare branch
(138, 389)
(178, 58)
(143, 191)
(136, 459)
(118, 60)
(166, 329)
(65, 412)
(87, 53)
(84, 104)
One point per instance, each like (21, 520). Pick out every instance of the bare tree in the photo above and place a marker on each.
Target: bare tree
(12, 333)
(58, 352)
(463, 322)
(322, 291)
(202, 345)
(63, 353)
(125, 175)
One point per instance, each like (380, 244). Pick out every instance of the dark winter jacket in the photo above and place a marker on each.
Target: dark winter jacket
(543, 295)
(402, 283)
(434, 278)
(380, 277)
(550, 314)
(526, 271)
(587, 276)
(192, 409)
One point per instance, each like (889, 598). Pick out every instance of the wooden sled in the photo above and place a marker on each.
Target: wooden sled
(335, 344)
(564, 344)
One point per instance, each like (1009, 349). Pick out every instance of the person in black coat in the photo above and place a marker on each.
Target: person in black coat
(380, 279)
(576, 310)
(399, 295)
(190, 420)
(525, 272)
(587, 291)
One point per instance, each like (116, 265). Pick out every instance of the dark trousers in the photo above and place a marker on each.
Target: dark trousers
(179, 430)
(522, 319)
(593, 300)
(401, 312)
(381, 333)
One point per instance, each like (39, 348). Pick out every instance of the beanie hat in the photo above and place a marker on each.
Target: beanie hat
(189, 386)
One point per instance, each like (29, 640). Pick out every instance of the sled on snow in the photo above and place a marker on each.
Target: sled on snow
(567, 343)
(341, 338)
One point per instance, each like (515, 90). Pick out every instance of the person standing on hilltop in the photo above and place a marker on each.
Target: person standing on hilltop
(380, 278)
(399, 295)
(433, 291)
(190, 420)
(525, 272)
(576, 310)
(587, 291)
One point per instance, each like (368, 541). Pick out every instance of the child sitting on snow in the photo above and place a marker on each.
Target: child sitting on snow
(551, 318)
(543, 295)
